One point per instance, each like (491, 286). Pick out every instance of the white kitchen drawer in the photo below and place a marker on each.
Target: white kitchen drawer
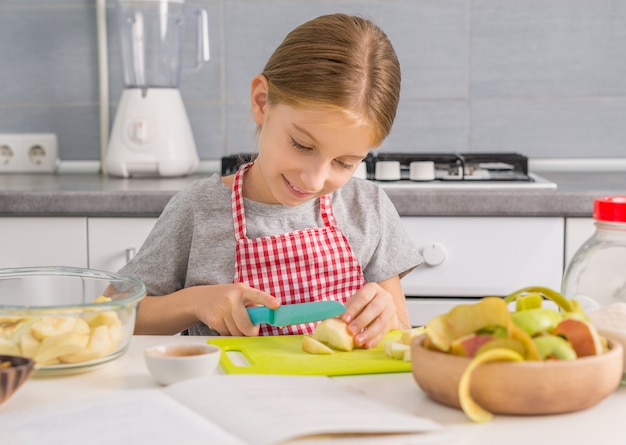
(43, 241)
(485, 255)
(113, 241)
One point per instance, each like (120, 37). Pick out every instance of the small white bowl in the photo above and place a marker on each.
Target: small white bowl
(171, 363)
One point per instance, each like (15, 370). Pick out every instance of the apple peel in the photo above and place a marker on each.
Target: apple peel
(503, 343)
(538, 320)
(466, 319)
(581, 335)
(473, 410)
(565, 304)
(522, 336)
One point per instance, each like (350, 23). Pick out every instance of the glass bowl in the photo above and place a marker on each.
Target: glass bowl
(67, 319)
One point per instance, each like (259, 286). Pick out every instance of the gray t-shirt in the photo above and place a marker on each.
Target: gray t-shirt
(193, 241)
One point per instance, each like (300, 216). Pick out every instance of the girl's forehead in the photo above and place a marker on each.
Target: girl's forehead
(325, 123)
(326, 117)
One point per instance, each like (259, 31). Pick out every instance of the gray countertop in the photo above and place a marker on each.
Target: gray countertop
(82, 194)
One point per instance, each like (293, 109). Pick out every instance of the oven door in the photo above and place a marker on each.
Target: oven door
(467, 258)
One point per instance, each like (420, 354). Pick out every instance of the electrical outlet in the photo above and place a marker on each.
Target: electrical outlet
(28, 153)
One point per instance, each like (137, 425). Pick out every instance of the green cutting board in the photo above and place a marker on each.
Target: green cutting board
(283, 354)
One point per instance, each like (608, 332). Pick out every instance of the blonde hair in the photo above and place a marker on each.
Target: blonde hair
(341, 62)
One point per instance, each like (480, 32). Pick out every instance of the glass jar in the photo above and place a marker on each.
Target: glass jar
(598, 268)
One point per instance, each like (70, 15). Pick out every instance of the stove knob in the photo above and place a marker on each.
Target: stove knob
(387, 171)
(422, 171)
(434, 254)
(361, 171)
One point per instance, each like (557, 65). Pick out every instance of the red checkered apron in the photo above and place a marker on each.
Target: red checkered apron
(297, 267)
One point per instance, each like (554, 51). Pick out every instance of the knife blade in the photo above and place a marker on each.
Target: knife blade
(289, 314)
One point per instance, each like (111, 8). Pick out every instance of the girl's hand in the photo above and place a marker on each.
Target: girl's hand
(374, 310)
(225, 308)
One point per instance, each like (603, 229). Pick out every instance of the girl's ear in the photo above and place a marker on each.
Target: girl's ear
(258, 97)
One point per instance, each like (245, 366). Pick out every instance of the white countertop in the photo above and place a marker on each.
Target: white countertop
(603, 424)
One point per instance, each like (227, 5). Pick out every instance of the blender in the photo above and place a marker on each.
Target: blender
(151, 133)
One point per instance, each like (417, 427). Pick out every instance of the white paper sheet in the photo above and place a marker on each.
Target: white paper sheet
(224, 410)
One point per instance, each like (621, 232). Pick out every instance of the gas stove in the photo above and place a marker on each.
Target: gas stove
(502, 170)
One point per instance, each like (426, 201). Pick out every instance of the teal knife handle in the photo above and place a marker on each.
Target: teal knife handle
(260, 314)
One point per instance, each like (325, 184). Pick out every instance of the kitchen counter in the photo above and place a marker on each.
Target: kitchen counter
(600, 424)
(83, 194)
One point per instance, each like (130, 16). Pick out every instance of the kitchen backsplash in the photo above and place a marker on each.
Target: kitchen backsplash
(546, 78)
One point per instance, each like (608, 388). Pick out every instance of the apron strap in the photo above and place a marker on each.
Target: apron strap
(239, 216)
(326, 210)
(236, 200)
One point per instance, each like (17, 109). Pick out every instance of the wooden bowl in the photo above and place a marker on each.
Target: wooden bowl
(14, 376)
(522, 388)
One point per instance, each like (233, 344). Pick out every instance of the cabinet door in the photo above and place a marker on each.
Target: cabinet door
(479, 256)
(114, 241)
(35, 241)
(577, 231)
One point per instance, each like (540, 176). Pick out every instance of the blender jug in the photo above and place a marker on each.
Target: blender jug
(151, 34)
(151, 134)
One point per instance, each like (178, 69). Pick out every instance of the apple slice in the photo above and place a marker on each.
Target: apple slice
(7, 347)
(407, 335)
(29, 345)
(51, 348)
(98, 346)
(396, 349)
(52, 326)
(312, 346)
(334, 333)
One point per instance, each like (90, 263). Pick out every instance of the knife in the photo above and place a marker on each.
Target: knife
(289, 314)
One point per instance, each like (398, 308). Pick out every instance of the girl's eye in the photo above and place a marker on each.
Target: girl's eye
(299, 146)
(340, 163)
(344, 165)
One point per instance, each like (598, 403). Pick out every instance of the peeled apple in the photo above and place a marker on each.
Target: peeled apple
(63, 338)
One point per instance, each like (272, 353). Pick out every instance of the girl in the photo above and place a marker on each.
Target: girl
(292, 226)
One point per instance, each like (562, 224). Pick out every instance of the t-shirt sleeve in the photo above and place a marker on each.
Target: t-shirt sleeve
(395, 254)
(161, 262)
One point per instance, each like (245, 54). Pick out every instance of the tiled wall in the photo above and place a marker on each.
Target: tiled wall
(546, 78)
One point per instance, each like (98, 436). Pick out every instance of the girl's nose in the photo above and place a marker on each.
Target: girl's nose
(314, 176)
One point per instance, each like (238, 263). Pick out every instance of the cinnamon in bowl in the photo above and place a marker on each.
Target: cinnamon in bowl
(170, 363)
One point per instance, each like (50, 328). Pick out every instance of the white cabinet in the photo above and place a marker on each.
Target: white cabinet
(472, 257)
(43, 241)
(577, 231)
(113, 241)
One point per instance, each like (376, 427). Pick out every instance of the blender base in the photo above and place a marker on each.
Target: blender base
(151, 135)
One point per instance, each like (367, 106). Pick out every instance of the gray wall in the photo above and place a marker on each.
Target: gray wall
(546, 78)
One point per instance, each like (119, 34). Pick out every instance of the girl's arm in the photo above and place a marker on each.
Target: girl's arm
(222, 307)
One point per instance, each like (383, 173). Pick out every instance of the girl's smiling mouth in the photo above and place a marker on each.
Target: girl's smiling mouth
(296, 191)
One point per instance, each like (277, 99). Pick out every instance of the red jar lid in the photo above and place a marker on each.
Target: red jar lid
(612, 208)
